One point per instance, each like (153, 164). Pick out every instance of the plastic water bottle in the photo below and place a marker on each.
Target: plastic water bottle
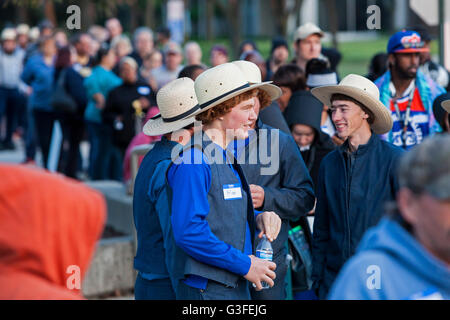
(264, 251)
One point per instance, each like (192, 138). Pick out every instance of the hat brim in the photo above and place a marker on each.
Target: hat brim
(412, 50)
(156, 126)
(273, 91)
(446, 105)
(383, 120)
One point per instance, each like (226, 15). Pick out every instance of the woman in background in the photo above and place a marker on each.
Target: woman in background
(98, 85)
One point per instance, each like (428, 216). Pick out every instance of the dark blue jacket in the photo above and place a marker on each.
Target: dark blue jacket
(348, 203)
(288, 191)
(156, 249)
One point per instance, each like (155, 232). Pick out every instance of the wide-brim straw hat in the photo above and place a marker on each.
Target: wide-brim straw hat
(364, 91)
(178, 106)
(226, 81)
(446, 105)
(253, 75)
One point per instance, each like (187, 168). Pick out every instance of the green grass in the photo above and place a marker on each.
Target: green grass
(355, 55)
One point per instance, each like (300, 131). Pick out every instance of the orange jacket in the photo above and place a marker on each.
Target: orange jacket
(49, 227)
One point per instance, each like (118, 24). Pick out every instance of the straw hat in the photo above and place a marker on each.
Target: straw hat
(224, 82)
(446, 105)
(177, 104)
(253, 75)
(363, 90)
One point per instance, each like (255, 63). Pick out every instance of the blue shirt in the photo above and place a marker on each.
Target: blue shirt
(39, 76)
(190, 183)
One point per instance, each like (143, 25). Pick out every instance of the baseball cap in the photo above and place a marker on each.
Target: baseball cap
(306, 30)
(406, 41)
(8, 34)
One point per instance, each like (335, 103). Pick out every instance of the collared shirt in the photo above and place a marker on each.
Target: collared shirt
(190, 184)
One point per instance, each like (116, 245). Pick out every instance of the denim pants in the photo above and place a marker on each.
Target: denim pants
(12, 105)
(104, 159)
(158, 289)
(214, 291)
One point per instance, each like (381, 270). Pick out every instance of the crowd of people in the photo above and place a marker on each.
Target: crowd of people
(346, 148)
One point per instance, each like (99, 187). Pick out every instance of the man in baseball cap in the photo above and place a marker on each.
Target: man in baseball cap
(307, 44)
(173, 56)
(406, 92)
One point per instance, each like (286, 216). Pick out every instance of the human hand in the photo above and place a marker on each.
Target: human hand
(261, 270)
(269, 223)
(257, 195)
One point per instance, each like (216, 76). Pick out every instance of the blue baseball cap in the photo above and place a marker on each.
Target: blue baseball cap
(406, 42)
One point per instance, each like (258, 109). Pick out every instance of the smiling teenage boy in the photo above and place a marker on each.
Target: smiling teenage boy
(355, 180)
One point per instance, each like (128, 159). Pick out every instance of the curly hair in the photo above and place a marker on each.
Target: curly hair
(225, 107)
(264, 98)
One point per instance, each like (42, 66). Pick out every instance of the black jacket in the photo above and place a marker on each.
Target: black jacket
(348, 204)
(119, 103)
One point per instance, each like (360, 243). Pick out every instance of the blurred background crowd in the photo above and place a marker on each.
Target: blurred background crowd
(107, 75)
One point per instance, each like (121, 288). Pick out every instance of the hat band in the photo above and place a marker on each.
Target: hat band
(204, 105)
(326, 79)
(178, 117)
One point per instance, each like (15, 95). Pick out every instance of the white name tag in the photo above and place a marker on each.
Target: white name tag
(232, 191)
(143, 90)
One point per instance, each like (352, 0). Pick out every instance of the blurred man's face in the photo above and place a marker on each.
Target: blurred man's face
(173, 60)
(193, 55)
(114, 28)
(218, 58)
(405, 64)
(144, 44)
(9, 46)
(83, 47)
(304, 135)
(280, 55)
(46, 32)
(154, 61)
(309, 47)
(128, 73)
(60, 39)
(22, 40)
(430, 220)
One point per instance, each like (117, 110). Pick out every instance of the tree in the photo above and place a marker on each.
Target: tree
(332, 16)
(232, 9)
(281, 12)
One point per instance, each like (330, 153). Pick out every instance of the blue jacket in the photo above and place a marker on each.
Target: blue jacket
(39, 76)
(348, 203)
(156, 251)
(390, 265)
